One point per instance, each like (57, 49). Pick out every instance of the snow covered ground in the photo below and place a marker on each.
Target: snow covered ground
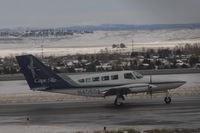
(50, 128)
(62, 128)
(93, 43)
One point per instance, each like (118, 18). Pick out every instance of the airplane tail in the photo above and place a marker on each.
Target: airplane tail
(38, 76)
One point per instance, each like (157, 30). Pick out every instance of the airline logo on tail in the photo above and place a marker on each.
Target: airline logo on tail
(34, 71)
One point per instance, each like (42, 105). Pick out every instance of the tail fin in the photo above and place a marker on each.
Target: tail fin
(38, 76)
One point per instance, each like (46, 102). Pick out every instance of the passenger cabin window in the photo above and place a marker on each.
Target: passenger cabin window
(138, 75)
(81, 80)
(114, 77)
(104, 78)
(128, 76)
(88, 79)
(94, 79)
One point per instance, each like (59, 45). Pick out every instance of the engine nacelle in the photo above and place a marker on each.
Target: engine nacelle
(142, 88)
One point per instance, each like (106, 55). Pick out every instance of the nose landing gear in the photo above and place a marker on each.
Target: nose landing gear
(167, 99)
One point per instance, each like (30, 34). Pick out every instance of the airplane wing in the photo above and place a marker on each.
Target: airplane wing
(130, 88)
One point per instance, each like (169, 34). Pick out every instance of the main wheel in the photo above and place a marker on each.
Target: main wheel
(119, 100)
(167, 100)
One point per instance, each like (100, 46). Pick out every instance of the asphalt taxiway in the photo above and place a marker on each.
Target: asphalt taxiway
(184, 112)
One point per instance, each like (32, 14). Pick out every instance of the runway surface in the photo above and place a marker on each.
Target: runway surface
(184, 112)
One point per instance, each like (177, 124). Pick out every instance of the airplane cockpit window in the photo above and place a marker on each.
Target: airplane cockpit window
(81, 80)
(138, 75)
(94, 79)
(104, 78)
(128, 76)
(114, 77)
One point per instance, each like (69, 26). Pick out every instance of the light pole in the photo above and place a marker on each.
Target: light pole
(42, 48)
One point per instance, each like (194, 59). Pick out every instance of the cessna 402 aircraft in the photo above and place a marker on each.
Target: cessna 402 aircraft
(119, 83)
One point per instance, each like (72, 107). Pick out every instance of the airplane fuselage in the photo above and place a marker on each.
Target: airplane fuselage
(97, 88)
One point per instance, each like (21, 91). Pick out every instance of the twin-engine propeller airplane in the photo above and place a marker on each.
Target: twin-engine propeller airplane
(119, 83)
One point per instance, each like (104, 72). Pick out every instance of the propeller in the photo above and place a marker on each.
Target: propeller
(150, 87)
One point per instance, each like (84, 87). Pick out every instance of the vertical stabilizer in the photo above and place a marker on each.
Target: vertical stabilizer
(38, 76)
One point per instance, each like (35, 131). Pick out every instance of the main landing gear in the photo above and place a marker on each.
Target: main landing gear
(167, 98)
(119, 100)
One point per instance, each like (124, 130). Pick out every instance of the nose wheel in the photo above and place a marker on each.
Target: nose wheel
(167, 100)
(119, 100)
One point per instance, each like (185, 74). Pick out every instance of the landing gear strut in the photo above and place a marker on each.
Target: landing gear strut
(119, 100)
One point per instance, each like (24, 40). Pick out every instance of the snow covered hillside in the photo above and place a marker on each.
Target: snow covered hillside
(76, 43)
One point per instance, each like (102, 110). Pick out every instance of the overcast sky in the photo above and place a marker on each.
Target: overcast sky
(58, 13)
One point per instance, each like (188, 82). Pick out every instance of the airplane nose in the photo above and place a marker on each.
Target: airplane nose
(177, 84)
(180, 83)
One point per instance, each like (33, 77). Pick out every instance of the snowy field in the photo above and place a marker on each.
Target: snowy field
(93, 43)
(62, 128)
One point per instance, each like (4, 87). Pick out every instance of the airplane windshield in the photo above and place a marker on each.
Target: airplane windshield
(128, 76)
(138, 75)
